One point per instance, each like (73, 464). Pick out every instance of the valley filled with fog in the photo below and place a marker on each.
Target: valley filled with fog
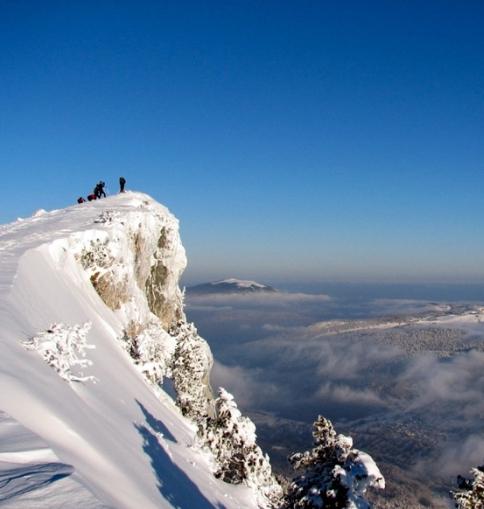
(403, 376)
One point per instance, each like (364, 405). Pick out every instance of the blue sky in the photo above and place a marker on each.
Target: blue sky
(294, 140)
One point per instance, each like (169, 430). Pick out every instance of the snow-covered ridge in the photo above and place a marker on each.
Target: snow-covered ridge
(92, 323)
(113, 264)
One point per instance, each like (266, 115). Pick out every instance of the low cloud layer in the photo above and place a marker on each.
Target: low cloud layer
(456, 384)
(272, 355)
(266, 299)
(342, 393)
(456, 458)
(245, 383)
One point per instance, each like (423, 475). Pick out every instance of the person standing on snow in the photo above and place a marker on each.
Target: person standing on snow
(99, 189)
(122, 183)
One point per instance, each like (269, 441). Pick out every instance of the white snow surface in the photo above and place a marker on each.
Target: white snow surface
(31, 475)
(115, 443)
(362, 473)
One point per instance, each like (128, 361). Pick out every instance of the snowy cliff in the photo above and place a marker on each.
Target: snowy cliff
(92, 328)
(92, 320)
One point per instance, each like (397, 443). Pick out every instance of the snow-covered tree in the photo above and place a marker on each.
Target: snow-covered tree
(333, 474)
(190, 368)
(231, 438)
(151, 348)
(64, 348)
(228, 435)
(470, 494)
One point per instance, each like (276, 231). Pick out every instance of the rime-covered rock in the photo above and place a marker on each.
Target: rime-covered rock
(134, 261)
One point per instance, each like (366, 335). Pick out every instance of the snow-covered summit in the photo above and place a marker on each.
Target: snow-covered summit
(92, 324)
(230, 285)
(90, 309)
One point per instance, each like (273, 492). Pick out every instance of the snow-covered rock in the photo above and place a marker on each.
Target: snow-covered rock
(39, 213)
(114, 264)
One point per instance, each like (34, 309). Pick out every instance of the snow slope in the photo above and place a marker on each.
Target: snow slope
(31, 475)
(115, 442)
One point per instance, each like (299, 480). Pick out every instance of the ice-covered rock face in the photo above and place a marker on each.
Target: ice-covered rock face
(134, 261)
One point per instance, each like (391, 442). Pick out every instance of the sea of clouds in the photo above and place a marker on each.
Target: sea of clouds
(271, 354)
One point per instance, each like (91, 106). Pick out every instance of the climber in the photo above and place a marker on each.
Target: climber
(99, 189)
(91, 197)
(122, 183)
(80, 199)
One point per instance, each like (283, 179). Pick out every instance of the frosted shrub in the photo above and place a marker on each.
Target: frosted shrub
(333, 474)
(151, 349)
(191, 365)
(222, 429)
(64, 348)
(107, 216)
(232, 440)
(470, 494)
(96, 255)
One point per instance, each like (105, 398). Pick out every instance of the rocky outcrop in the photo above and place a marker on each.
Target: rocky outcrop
(158, 280)
(134, 262)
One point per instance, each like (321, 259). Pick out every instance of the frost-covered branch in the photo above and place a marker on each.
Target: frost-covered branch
(64, 347)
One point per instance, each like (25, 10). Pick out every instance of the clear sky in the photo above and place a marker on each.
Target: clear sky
(294, 140)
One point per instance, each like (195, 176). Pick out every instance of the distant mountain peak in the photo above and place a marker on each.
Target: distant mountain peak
(240, 283)
(230, 285)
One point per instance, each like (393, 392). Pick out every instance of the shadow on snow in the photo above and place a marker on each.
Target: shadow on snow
(157, 426)
(172, 482)
(18, 481)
